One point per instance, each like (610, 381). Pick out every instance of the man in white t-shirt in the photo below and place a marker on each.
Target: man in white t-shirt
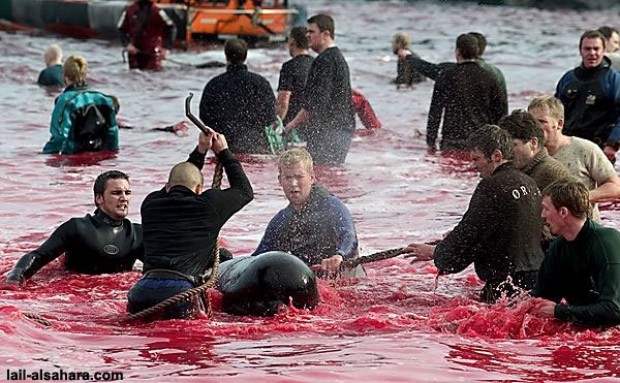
(584, 159)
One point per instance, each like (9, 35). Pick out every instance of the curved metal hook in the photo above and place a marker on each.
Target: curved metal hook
(188, 102)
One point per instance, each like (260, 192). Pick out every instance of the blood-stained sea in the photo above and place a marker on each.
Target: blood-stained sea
(400, 324)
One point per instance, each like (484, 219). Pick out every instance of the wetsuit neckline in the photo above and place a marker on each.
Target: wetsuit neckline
(103, 217)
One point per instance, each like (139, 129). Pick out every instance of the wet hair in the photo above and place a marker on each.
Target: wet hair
(549, 103)
(608, 31)
(295, 156)
(102, 181)
(75, 69)
(401, 40)
(53, 54)
(571, 194)
(185, 174)
(523, 126)
(490, 138)
(467, 44)
(324, 22)
(482, 42)
(592, 35)
(236, 51)
(299, 36)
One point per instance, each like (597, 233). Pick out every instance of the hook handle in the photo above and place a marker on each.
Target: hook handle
(188, 102)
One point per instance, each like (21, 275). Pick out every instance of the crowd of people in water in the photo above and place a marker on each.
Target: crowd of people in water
(532, 227)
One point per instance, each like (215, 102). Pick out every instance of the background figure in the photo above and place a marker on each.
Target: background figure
(83, 120)
(591, 96)
(406, 75)
(52, 74)
(328, 105)
(580, 275)
(465, 97)
(238, 103)
(105, 242)
(612, 45)
(147, 33)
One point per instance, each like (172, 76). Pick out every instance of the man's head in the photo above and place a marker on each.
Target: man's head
(549, 112)
(75, 70)
(467, 47)
(489, 147)
(321, 29)
(482, 42)
(187, 175)
(401, 40)
(527, 134)
(296, 176)
(112, 194)
(565, 202)
(612, 38)
(236, 51)
(53, 55)
(592, 48)
(297, 40)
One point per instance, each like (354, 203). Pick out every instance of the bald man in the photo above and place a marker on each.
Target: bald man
(52, 75)
(181, 224)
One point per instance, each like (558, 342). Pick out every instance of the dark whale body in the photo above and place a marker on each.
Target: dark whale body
(260, 285)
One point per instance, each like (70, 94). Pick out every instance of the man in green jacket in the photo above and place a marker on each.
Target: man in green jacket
(579, 279)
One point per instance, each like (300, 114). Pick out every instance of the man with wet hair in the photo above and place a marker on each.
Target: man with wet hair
(583, 159)
(328, 114)
(238, 103)
(316, 226)
(52, 75)
(579, 278)
(500, 231)
(105, 242)
(465, 97)
(181, 223)
(590, 94)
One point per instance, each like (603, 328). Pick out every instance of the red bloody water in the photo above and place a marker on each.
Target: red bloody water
(392, 326)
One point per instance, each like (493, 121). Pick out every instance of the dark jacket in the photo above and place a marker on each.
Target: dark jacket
(586, 273)
(500, 231)
(181, 228)
(239, 104)
(322, 228)
(92, 245)
(591, 99)
(467, 96)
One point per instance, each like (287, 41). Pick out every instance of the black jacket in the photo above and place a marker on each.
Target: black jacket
(181, 227)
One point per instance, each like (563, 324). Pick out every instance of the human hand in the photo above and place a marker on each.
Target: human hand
(180, 128)
(164, 53)
(431, 149)
(419, 252)
(543, 308)
(329, 267)
(402, 53)
(205, 141)
(219, 143)
(131, 49)
(610, 152)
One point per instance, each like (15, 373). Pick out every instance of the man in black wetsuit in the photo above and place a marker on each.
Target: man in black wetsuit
(105, 242)
(181, 224)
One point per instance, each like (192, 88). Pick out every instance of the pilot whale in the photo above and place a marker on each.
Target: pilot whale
(260, 285)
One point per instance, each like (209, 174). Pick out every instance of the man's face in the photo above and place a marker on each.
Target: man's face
(592, 52)
(296, 182)
(552, 216)
(485, 166)
(613, 44)
(524, 152)
(550, 125)
(115, 198)
(316, 38)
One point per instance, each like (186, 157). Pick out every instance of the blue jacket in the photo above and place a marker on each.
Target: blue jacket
(323, 228)
(74, 107)
(591, 99)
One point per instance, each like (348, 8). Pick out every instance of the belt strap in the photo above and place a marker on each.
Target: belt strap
(168, 274)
